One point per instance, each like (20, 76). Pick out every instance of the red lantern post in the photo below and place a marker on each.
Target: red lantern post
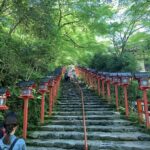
(103, 84)
(124, 77)
(115, 81)
(43, 88)
(26, 94)
(88, 75)
(108, 80)
(98, 84)
(51, 98)
(54, 90)
(144, 85)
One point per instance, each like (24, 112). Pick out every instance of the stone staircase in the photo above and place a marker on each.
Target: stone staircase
(105, 129)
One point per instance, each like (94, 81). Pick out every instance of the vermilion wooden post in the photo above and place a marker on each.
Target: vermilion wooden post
(53, 94)
(108, 90)
(55, 89)
(98, 86)
(26, 94)
(103, 87)
(84, 75)
(140, 110)
(25, 118)
(116, 95)
(50, 100)
(146, 108)
(88, 76)
(144, 85)
(43, 88)
(126, 100)
(42, 107)
(95, 82)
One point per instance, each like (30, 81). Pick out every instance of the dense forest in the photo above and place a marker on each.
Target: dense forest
(36, 36)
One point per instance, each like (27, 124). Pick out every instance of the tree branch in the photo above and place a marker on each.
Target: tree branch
(2, 5)
(60, 14)
(15, 26)
(68, 23)
(75, 44)
(137, 29)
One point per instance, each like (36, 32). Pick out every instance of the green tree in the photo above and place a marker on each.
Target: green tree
(133, 19)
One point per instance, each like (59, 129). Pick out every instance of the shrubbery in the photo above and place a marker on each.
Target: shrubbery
(112, 63)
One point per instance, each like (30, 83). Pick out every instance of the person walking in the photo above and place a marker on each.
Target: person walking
(9, 141)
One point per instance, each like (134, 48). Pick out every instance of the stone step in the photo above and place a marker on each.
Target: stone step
(86, 106)
(78, 128)
(90, 97)
(119, 145)
(91, 117)
(44, 148)
(86, 109)
(62, 128)
(93, 145)
(80, 113)
(85, 103)
(114, 136)
(60, 143)
(79, 103)
(79, 99)
(117, 122)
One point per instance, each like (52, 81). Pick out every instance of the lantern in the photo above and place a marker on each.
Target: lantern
(125, 78)
(43, 87)
(26, 88)
(116, 80)
(144, 83)
(3, 99)
(143, 80)
(26, 92)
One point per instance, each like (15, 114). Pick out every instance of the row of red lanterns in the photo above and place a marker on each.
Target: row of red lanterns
(97, 80)
(49, 84)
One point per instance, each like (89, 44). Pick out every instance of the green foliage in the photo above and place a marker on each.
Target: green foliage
(126, 62)
(111, 63)
(100, 61)
(128, 22)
